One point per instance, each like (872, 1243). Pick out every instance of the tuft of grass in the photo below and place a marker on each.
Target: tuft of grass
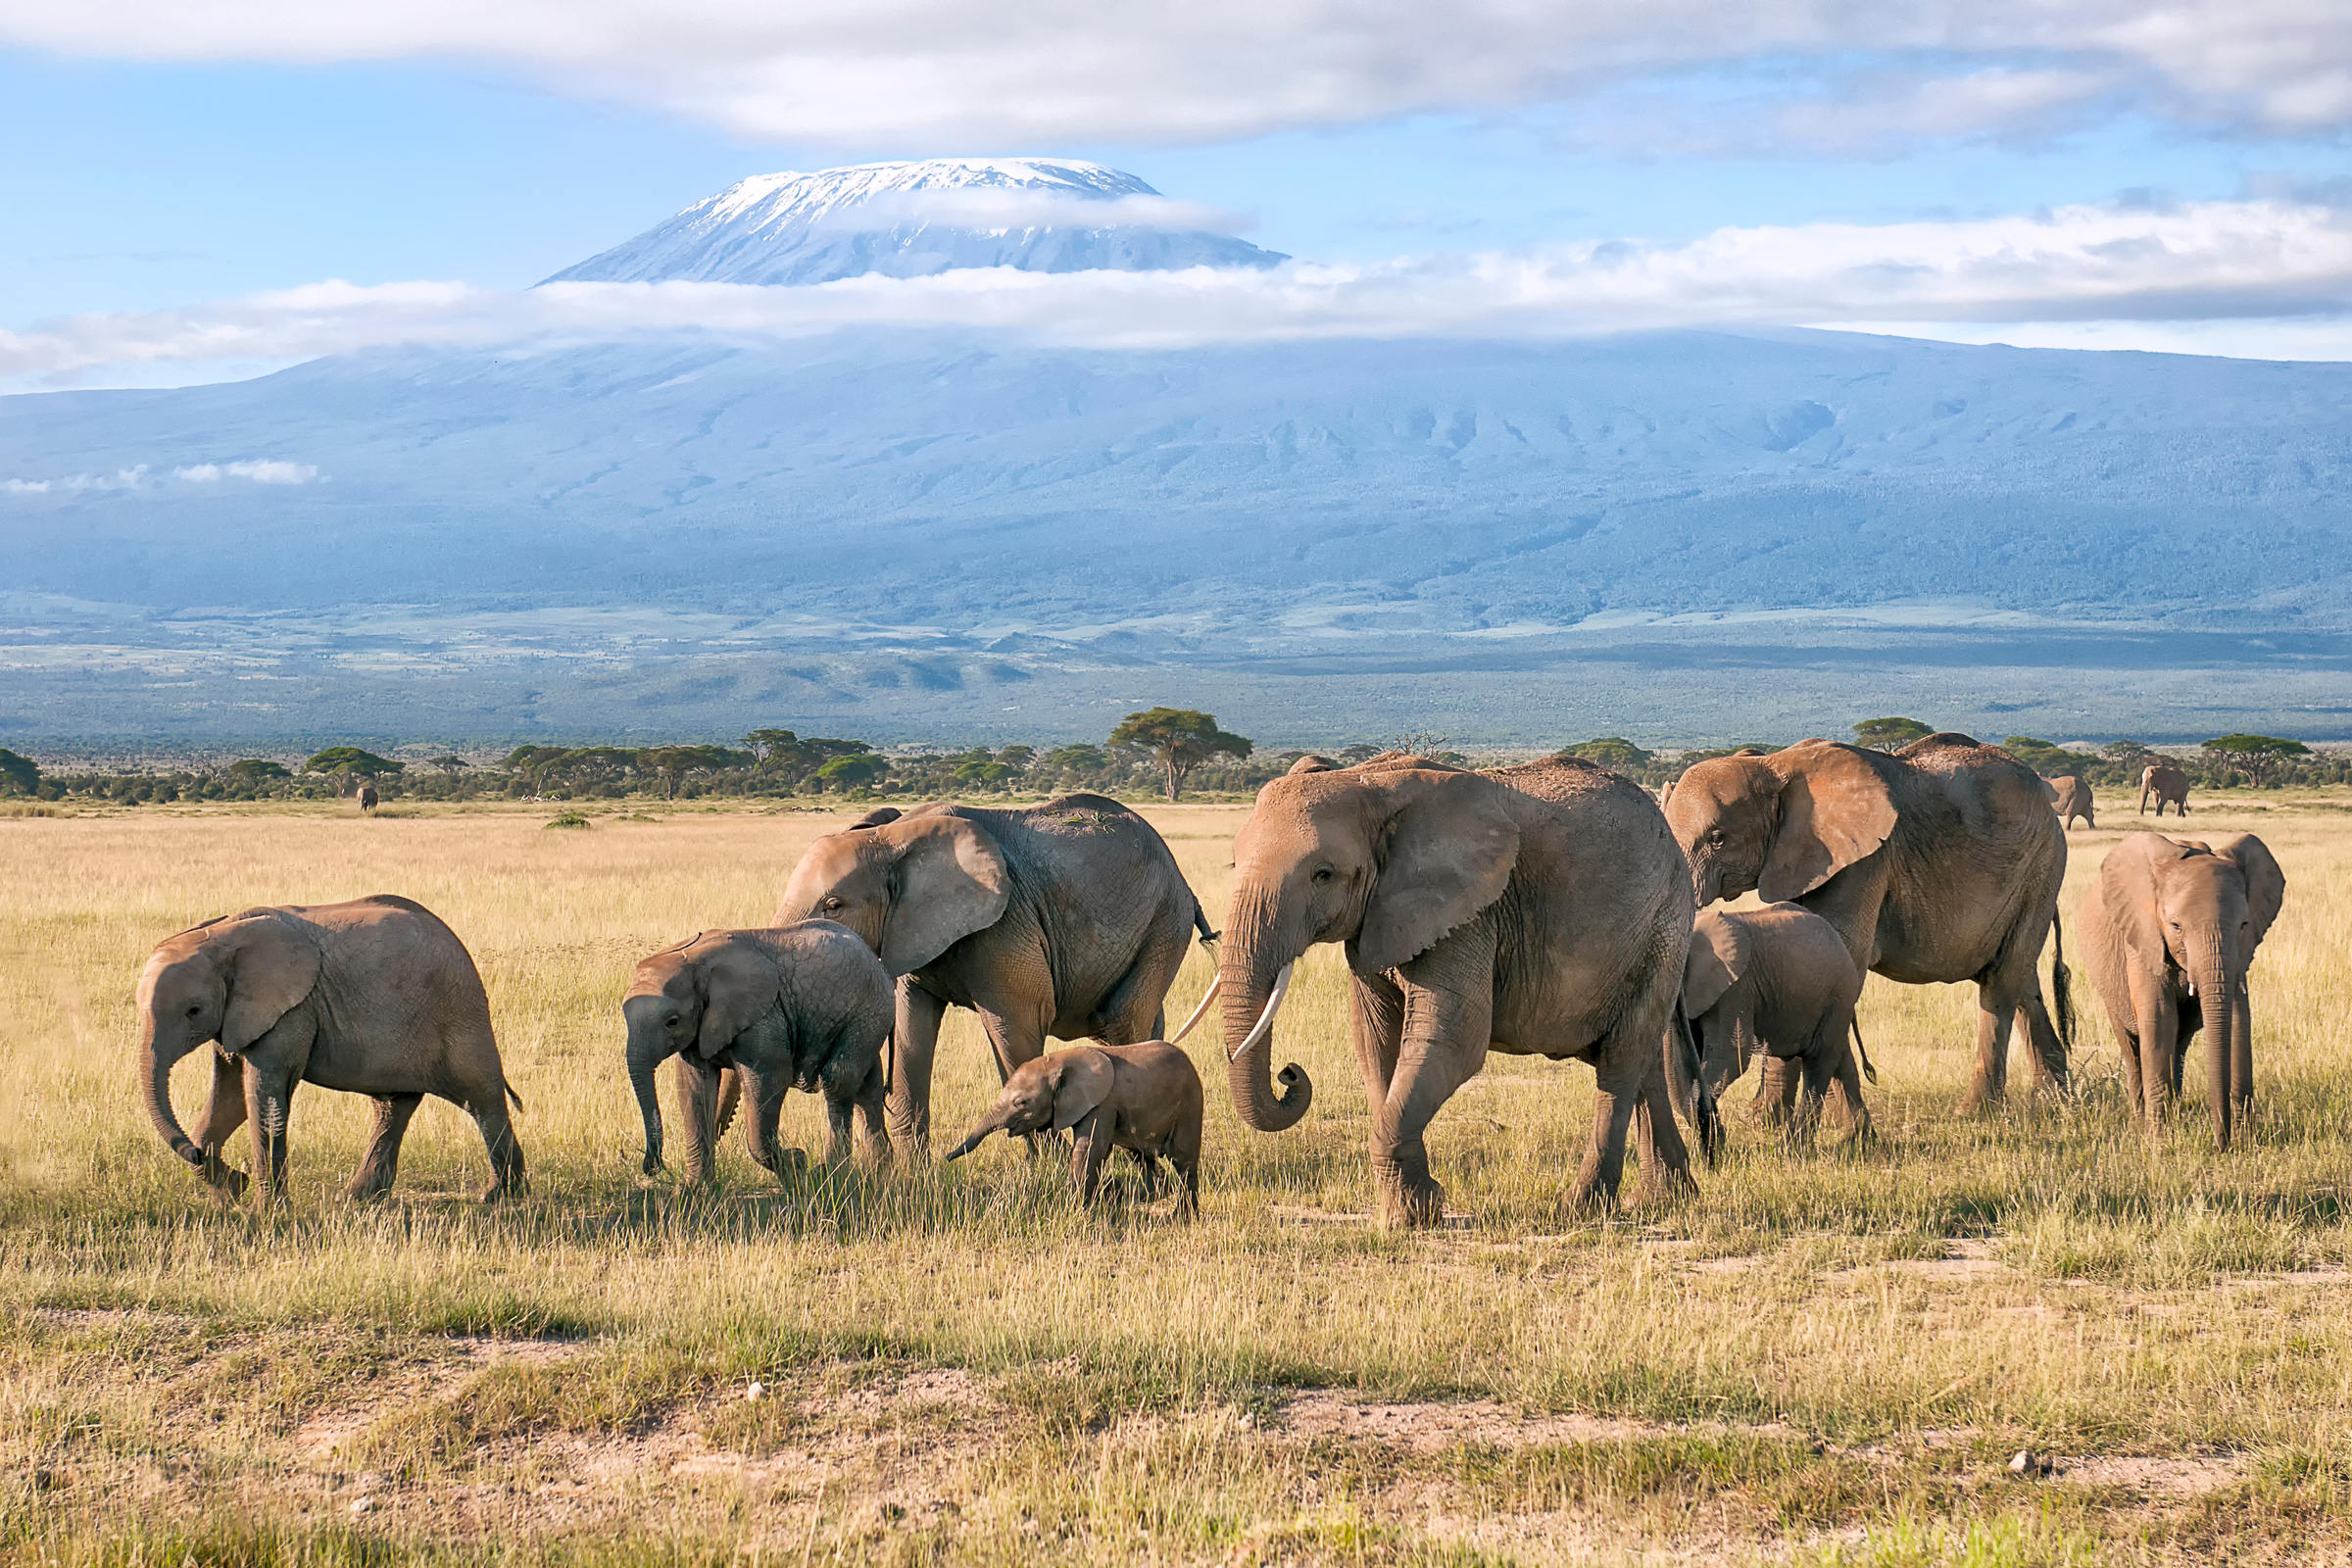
(570, 820)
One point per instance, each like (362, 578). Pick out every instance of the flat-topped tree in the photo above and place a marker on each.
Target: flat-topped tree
(257, 770)
(1609, 751)
(2258, 757)
(674, 763)
(18, 774)
(1179, 739)
(1888, 734)
(351, 760)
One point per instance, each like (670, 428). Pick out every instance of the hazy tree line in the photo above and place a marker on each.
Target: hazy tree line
(1161, 753)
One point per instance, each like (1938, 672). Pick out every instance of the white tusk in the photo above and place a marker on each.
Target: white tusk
(1202, 1012)
(1265, 1019)
(2192, 988)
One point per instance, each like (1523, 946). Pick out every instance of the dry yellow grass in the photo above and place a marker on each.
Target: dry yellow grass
(1821, 1355)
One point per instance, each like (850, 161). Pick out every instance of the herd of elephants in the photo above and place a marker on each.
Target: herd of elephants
(1555, 909)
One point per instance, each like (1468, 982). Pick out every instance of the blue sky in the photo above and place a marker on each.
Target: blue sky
(149, 162)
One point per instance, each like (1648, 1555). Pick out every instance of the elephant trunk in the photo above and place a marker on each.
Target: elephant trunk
(157, 1067)
(1255, 972)
(993, 1122)
(645, 1053)
(2217, 996)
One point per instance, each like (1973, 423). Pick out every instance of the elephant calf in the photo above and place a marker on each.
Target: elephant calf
(376, 996)
(805, 1005)
(2170, 927)
(1776, 981)
(1145, 1098)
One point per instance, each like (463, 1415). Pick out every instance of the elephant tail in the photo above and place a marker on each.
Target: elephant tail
(1201, 924)
(1706, 1117)
(2062, 986)
(1868, 1072)
(511, 1094)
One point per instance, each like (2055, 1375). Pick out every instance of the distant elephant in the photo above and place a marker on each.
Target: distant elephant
(1940, 862)
(1145, 1098)
(376, 997)
(366, 797)
(2071, 798)
(1777, 980)
(2168, 930)
(1067, 919)
(1539, 910)
(2167, 784)
(806, 1006)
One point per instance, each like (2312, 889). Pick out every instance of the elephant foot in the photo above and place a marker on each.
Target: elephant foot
(226, 1180)
(1410, 1205)
(1664, 1187)
(367, 1189)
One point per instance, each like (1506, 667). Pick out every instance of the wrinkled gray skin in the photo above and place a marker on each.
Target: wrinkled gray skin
(2168, 930)
(376, 997)
(1939, 863)
(803, 1007)
(1145, 1098)
(1539, 910)
(1779, 982)
(2167, 785)
(1066, 920)
(2071, 798)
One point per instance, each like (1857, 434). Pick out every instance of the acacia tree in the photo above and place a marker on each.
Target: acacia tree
(2258, 757)
(18, 772)
(1888, 734)
(1609, 751)
(1179, 739)
(350, 760)
(674, 763)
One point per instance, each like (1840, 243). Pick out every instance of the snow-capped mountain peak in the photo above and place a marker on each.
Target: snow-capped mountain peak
(912, 220)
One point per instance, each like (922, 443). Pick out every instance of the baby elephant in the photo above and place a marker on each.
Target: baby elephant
(2168, 931)
(805, 1005)
(376, 996)
(1145, 1098)
(1776, 981)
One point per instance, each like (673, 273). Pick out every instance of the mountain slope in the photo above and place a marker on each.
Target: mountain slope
(916, 219)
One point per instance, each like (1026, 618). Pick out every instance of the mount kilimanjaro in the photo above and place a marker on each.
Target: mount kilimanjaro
(946, 535)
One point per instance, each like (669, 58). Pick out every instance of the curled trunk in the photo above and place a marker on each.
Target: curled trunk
(1251, 976)
(158, 1069)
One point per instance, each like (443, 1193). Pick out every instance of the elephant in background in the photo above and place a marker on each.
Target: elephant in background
(2071, 798)
(1145, 1098)
(376, 997)
(2167, 784)
(1940, 862)
(1539, 910)
(2168, 930)
(807, 1007)
(1067, 919)
(368, 798)
(1776, 981)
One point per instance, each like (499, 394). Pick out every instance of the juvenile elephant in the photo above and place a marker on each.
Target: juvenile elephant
(1541, 911)
(1145, 1098)
(803, 1007)
(2170, 787)
(2071, 798)
(376, 997)
(1778, 980)
(1067, 919)
(2168, 930)
(1940, 862)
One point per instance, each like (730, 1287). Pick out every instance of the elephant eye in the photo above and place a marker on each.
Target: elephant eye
(1714, 835)
(673, 1020)
(832, 903)
(195, 1007)
(1323, 873)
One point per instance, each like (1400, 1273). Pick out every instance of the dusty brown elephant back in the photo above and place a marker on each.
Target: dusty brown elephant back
(2166, 785)
(2071, 798)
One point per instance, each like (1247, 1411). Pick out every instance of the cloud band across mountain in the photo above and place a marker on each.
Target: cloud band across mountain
(2194, 262)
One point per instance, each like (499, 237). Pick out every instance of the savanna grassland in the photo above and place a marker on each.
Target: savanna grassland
(1823, 1357)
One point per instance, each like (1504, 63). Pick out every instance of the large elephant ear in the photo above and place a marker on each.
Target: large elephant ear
(738, 985)
(2128, 892)
(2265, 884)
(1835, 810)
(1082, 1082)
(1448, 853)
(274, 965)
(1719, 957)
(948, 882)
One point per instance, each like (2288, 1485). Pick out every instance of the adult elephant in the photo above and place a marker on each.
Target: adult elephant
(1067, 919)
(2071, 799)
(2167, 785)
(1539, 910)
(1940, 862)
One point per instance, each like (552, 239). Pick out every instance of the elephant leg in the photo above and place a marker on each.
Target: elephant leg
(382, 1163)
(2127, 1047)
(1846, 1078)
(1092, 1146)
(1777, 1084)
(269, 1104)
(2241, 1053)
(913, 1040)
(1813, 1072)
(1444, 1044)
(2186, 1024)
(695, 1085)
(1658, 1138)
(1147, 1164)
(873, 1135)
(1994, 1011)
(2158, 1046)
(1376, 1028)
(841, 1115)
(1017, 1031)
(2049, 1051)
(489, 1112)
(224, 1115)
(764, 1093)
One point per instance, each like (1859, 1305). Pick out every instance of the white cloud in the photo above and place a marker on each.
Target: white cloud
(268, 470)
(2196, 262)
(923, 75)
